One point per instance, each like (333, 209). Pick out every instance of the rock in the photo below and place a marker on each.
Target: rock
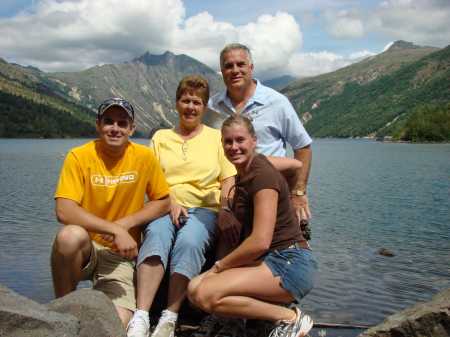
(429, 319)
(22, 317)
(95, 311)
(385, 252)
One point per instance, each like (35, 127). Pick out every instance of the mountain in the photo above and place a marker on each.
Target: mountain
(149, 82)
(280, 82)
(374, 96)
(32, 106)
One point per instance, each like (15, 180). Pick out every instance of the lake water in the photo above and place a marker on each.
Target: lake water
(364, 196)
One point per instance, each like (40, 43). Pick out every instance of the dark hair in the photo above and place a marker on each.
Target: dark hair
(234, 46)
(195, 83)
(239, 120)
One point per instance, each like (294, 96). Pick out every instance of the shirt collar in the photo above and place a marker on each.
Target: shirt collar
(258, 96)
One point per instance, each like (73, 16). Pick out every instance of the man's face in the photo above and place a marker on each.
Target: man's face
(114, 128)
(237, 71)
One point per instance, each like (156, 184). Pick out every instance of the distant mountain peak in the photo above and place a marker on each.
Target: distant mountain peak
(152, 59)
(401, 45)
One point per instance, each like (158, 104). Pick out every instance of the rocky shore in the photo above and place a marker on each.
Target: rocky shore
(89, 313)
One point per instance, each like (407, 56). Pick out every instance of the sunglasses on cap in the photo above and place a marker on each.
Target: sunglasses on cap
(120, 102)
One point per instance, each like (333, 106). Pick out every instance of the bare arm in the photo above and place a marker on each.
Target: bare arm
(69, 212)
(285, 163)
(264, 218)
(225, 187)
(151, 210)
(301, 203)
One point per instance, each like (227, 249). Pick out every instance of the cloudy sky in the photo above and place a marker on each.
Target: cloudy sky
(299, 38)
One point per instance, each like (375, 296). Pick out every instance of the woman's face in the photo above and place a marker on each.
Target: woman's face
(190, 109)
(238, 144)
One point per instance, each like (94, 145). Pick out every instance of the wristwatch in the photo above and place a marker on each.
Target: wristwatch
(298, 193)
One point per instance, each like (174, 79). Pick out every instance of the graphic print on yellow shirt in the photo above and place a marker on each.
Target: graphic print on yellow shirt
(108, 188)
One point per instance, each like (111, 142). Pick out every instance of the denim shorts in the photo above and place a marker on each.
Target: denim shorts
(184, 248)
(296, 268)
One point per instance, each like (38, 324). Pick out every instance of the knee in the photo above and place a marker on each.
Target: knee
(189, 244)
(192, 288)
(70, 239)
(202, 297)
(160, 229)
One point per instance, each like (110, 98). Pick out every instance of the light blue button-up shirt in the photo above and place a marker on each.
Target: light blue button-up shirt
(275, 121)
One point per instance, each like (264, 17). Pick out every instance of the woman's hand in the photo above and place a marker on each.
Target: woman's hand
(177, 214)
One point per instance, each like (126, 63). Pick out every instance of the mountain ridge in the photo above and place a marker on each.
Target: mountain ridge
(375, 96)
(148, 81)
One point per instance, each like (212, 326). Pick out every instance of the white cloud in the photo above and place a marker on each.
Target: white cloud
(359, 55)
(75, 34)
(424, 22)
(344, 24)
(312, 64)
(273, 39)
(386, 47)
(58, 34)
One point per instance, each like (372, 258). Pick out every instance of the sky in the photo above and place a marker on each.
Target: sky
(297, 38)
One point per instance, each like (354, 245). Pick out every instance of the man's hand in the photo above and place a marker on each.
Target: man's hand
(124, 244)
(229, 227)
(301, 207)
(125, 223)
(177, 211)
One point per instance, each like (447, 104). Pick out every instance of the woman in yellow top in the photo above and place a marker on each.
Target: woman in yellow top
(199, 176)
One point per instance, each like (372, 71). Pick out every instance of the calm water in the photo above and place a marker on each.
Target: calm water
(364, 195)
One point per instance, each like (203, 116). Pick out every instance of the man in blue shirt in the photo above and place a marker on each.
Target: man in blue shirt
(275, 121)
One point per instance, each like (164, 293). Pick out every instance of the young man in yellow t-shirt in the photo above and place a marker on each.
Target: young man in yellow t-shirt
(100, 200)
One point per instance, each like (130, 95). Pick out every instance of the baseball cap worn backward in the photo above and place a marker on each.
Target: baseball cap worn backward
(115, 101)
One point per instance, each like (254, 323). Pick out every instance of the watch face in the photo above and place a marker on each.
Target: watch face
(298, 193)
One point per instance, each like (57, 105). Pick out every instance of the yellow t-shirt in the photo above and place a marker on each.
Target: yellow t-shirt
(108, 188)
(193, 168)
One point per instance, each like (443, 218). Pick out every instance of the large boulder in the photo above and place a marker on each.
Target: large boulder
(429, 319)
(21, 317)
(95, 311)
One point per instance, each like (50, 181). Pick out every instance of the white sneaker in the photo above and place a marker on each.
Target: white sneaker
(299, 328)
(138, 327)
(164, 328)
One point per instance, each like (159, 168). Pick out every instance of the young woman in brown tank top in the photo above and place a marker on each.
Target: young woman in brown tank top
(273, 264)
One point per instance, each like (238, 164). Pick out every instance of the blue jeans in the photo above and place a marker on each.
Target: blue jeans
(186, 246)
(296, 268)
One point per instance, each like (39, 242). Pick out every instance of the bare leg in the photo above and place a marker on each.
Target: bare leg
(70, 253)
(233, 293)
(124, 314)
(177, 291)
(149, 276)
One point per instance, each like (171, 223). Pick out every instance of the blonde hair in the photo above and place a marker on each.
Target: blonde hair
(238, 119)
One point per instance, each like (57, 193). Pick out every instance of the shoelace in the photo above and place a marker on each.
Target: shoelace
(135, 327)
(161, 323)
(283, 330)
